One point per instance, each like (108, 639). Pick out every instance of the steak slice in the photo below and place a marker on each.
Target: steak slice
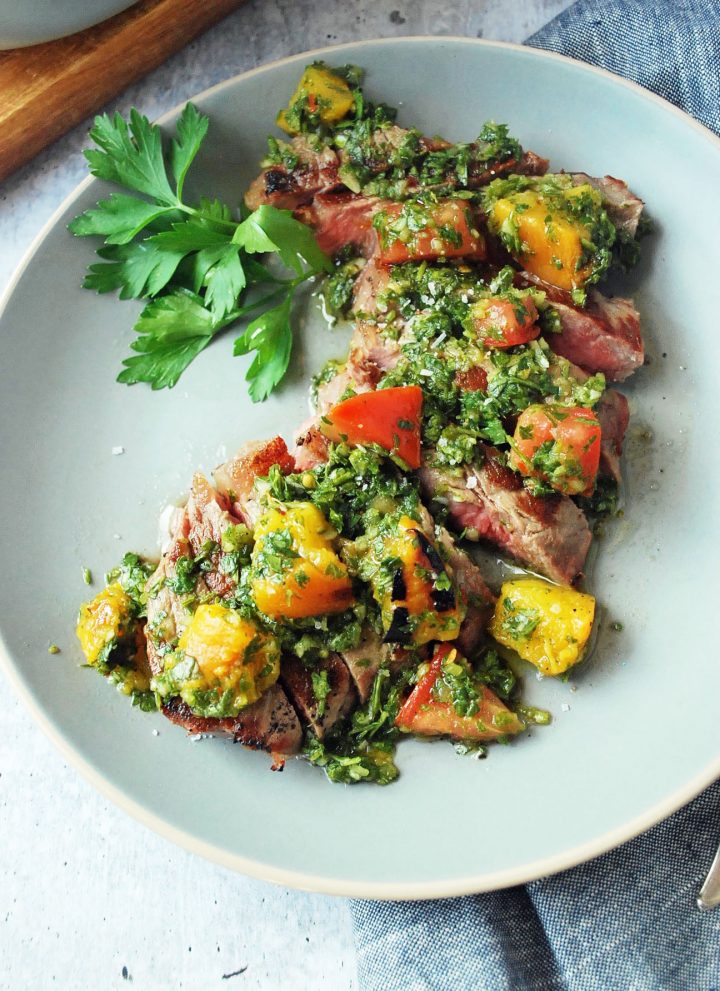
(311, 446)
(209, 516)
(623, 207)
(342, 218)
(319, 715)
(614, 415)
(487, 501)
(203, 519)
(370, 356)
(288, 189)
(603, 337)
(235, 478)
(269, 724)
(371, 283)
(469, 581)
(528, 164)
(364, 661)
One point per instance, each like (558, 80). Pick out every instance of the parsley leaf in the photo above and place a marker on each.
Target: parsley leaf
(293, 241)
(162, 362)
(118, 219)
(138, 269)
(130, 156)
(225, 280)
(191, 129)
(193, 263)
(270, 336)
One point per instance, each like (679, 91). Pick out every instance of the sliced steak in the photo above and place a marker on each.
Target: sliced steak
(167, 617)
(623, 207)
(236, 478)
(319, 715)
(269, 724)
(288, 189)
(603, 337)
(487, 501)
(311, 446)
(470, 583)
(614, 415)
(364, 661)
(342, 218)
(528, 164)
(209, 516)
(370, 285)
(376, 152)
(190, 528)
(369, 357)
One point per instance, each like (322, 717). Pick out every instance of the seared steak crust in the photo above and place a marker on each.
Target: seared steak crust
(288, 189)
(269, 724)
(297, 680)
(235, 478)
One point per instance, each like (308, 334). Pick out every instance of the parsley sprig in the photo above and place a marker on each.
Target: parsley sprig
(197, 265)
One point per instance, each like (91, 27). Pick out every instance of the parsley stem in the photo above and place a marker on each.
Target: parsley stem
(286, 286)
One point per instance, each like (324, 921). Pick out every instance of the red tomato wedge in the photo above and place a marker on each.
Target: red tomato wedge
(425, 716)
(388, 417)
(499, 323)
(422, 692)
(449, 233)
(559, 444)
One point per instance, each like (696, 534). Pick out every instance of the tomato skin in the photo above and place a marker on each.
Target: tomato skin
(421, 693)
(424, 715)
(498, 324)
(388, 417)
(429, 243)
(575, 435)
(473, 380)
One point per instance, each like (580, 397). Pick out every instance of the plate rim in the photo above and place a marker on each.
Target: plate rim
(402, 891)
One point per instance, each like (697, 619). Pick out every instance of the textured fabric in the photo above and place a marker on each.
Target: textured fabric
(672, 48)
(626, 921)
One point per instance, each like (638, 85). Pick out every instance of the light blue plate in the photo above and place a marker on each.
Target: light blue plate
(636, 731)
(31, 22)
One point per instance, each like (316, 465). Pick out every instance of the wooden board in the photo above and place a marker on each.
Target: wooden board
(47, 89)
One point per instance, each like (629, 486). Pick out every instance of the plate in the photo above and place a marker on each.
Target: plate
(635, 732)
(44, 20)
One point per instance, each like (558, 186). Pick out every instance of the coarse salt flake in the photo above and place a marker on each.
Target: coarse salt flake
(565, 707)
(472, 482)
(118, 449)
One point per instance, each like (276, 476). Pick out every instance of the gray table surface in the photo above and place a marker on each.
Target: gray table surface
(89, 899)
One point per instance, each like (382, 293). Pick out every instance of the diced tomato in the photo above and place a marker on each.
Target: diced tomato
(500, 323)
(559, 444)
(425, 715)
(449, 232)
(421, 693)
(388, 417)
(473, 380)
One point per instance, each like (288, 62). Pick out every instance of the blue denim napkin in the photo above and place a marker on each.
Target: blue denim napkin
(626, 921)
